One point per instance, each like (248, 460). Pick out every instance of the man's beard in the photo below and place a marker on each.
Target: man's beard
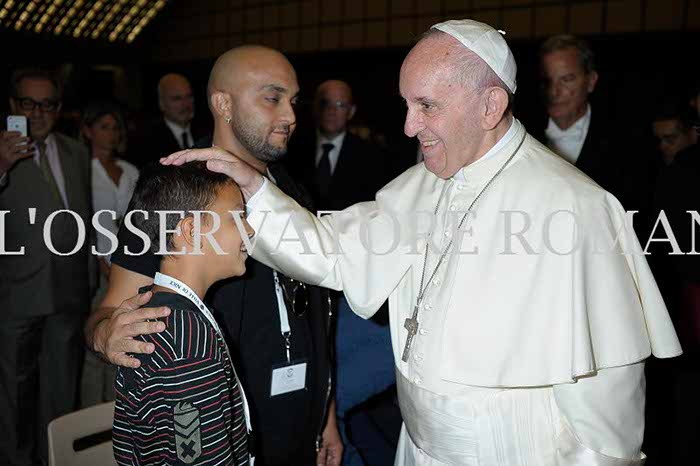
(255, 143)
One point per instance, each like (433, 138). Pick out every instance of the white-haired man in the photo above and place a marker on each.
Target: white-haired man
(515, 343)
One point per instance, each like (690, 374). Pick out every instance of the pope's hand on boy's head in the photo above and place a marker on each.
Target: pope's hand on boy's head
(221, 161)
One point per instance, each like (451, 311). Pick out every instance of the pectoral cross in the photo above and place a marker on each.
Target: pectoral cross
(412, 326)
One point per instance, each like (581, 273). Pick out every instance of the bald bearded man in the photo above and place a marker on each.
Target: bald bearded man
(252, 91)
(509, 351)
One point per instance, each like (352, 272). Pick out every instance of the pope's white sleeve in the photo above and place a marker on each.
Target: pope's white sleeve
(253, 201)
(605, 413)
(335, 251)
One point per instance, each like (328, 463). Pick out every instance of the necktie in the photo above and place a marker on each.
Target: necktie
(185, 141)
(323, 171)
(46, 171)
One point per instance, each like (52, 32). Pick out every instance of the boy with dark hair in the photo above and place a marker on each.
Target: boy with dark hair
(184, 403)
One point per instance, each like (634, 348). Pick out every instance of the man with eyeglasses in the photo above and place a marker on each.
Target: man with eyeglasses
(44, 297)
(330, 160)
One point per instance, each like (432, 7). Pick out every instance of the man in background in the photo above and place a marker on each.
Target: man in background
(674, 130)
(173, 131)
(44, 296)
(333, 162)
(583, 135)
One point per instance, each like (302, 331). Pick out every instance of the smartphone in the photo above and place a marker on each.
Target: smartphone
(17, 123)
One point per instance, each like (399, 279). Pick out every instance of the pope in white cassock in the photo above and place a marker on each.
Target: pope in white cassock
(521, 322)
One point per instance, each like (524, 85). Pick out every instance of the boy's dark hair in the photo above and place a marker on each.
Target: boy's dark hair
(186, 188)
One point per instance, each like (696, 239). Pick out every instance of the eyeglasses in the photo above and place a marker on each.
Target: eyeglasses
(29, 104)
(339, 104)
(296, 294)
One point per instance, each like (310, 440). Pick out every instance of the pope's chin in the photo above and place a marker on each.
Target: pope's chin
(434, 160)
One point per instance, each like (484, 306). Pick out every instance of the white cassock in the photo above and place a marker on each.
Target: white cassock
(531, 348)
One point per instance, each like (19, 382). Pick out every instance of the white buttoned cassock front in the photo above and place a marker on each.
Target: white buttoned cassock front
(532, 333)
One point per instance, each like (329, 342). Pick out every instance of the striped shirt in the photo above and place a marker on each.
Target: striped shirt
(183, 405)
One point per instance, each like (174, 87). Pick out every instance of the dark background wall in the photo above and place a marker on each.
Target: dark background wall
(646, 50)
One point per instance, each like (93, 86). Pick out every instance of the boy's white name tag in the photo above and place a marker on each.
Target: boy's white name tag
(289, 378)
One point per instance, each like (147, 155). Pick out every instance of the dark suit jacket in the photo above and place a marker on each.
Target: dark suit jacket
(615, 156)
(361, 171)
(40, 282)
(156, 141)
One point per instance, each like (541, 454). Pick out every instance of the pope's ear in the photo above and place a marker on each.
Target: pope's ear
(494, 107)
(221, 104)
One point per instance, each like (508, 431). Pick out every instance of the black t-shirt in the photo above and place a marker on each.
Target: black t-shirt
(246, 308)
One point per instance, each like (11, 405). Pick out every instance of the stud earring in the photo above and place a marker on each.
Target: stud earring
(228, 120)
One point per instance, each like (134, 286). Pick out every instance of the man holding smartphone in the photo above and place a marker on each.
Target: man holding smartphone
(44, 296)
(14, 146)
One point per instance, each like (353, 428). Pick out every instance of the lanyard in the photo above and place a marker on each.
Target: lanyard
(285, 329)
(180, 288)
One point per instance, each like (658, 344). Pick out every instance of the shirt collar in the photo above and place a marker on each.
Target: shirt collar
(175, 128)
(514, 125)
(576, 131)
(337, 141)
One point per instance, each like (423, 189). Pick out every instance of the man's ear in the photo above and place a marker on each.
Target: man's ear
(495, 105)
(592, 81)
(221, 104)
(353, 109)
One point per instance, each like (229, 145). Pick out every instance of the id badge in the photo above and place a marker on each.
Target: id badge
(287, 378)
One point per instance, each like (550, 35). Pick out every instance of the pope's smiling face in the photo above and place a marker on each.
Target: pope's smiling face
(441, 112)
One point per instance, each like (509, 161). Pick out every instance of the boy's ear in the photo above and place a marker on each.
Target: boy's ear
(186, 236)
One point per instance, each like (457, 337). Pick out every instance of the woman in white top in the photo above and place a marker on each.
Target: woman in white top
(113, 179)
(113, 182)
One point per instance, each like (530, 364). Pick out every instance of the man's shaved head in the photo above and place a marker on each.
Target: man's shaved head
(252, 90)
(238, 64)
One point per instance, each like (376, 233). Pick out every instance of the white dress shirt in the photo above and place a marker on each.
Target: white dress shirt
(177, 131)
(568, 142)
(333, 155)
(106, 195)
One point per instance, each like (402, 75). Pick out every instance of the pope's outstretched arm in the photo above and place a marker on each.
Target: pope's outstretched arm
(356, 250)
